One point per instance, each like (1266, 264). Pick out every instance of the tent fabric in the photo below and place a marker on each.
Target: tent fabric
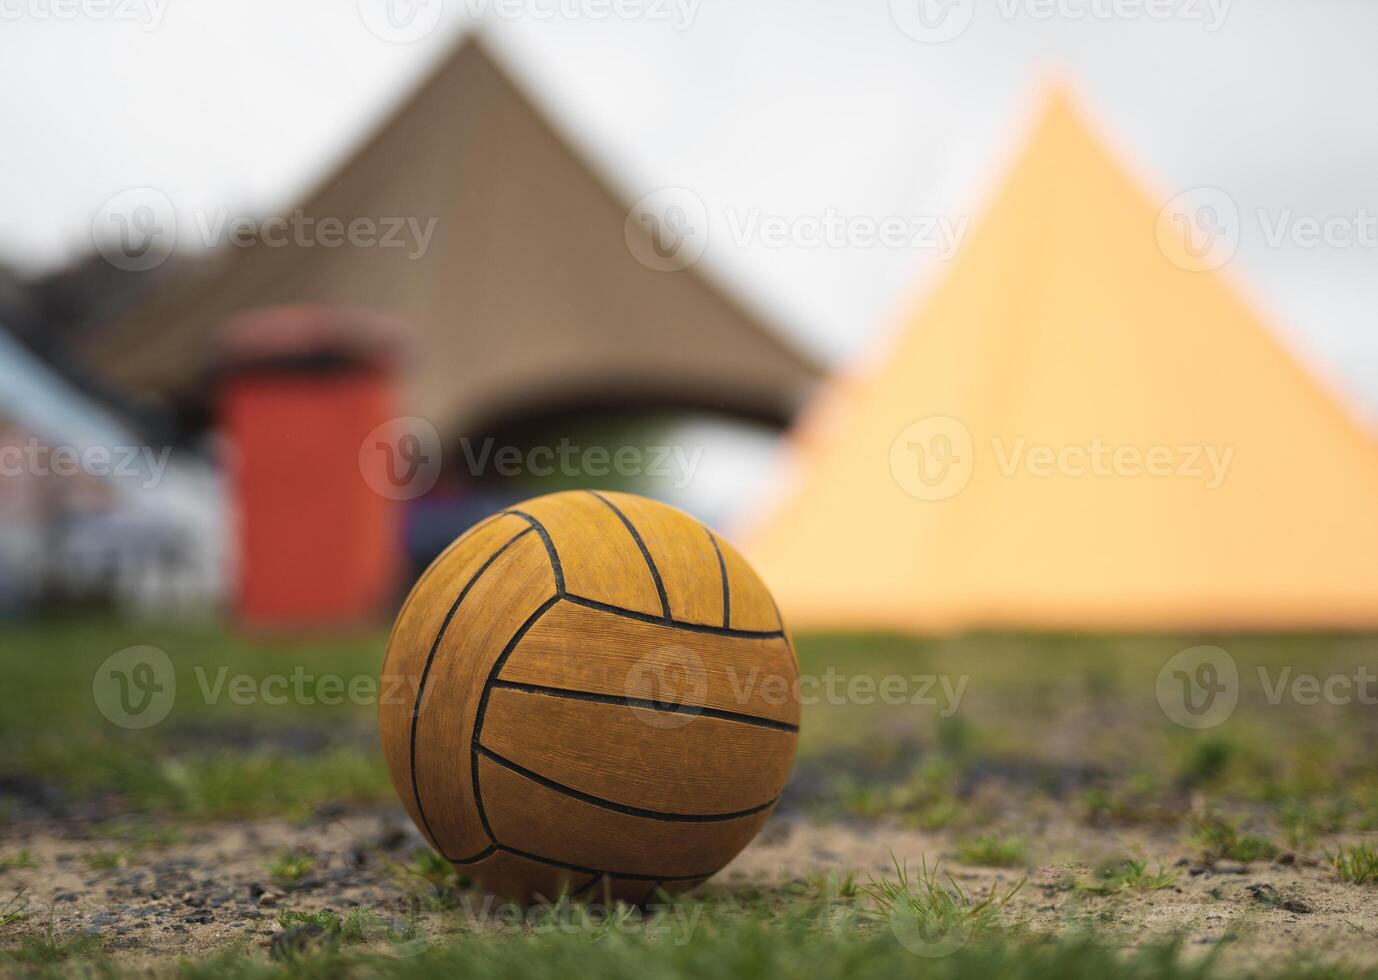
(527, 291)
(181, 503)
(968, 478)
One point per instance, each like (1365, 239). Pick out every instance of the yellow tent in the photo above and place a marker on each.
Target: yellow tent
(1080, 429)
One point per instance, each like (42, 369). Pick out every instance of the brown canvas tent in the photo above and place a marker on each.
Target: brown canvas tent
(527, 294)
(1080, 428)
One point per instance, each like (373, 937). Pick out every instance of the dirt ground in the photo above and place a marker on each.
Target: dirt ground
(209, 887)
(1273, 908)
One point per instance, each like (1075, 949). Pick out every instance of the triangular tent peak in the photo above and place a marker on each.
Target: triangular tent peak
(1076, 431)
(525, 288)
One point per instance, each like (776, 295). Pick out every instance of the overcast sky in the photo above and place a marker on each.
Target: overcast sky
(791, 108)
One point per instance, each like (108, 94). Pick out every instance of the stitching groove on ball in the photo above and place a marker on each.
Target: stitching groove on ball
(631, 702)
(430, 657)
(645, 552)
(625, 875)
(630, 811)
(593, 880)
(549, 547)
(483, 704)
(726, 592)
(677, 624)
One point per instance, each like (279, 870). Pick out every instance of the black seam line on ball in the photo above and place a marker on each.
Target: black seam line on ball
(726, 593)
(555, 565)
(776, 607)
(483, 707)
(630, 811)
(645, 552)
(624, 875)
(426, 670)
(474, 858)
(677, 624)
(666, 706)
(594, 878)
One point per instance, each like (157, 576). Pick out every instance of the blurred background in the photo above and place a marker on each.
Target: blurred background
(1025, 348)
(237, 242)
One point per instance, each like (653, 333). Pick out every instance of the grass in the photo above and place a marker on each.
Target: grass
(1286, 772)
(726, 942)
(1304, 822)
(833, 886)
(222, 756)
(217, 754)
(43, 948)
(108, 860)
(14, 909)
(430, 867)
(1128, 875)
(1206, 760)
(1357, 863)
(934, 917)
(1220, 839)
(137, 834)
(22, 858)
(214, 783)
(993, 852)
(1137, 798)
(356, 926)
(130, 841)
(433, 884)
(431, 879)
(749, 949)
(287, 870)
(925, 798)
